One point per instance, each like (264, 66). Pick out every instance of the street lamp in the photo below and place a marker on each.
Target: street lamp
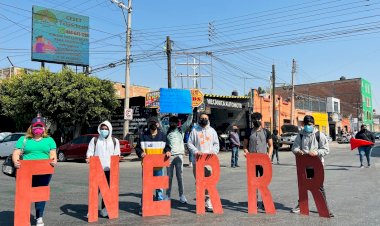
(122, 6)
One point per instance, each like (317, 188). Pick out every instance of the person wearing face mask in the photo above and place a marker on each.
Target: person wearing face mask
(365, 134)
(153, 142)
(175, 137)
(104, 147)
(235, 143)
(311, 142)
(203, 139)
(258, 140)
(36, 145)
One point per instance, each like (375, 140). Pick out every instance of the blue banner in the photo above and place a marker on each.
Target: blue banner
(175, 101)
(60, 37)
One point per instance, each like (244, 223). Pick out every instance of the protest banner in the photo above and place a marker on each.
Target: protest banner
(177, 101)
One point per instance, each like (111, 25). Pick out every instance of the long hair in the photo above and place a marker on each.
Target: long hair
(29, 133)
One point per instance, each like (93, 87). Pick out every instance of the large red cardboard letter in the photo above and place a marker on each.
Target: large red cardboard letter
(150, 183)
(110, 194)
(311, 184)
(260, 183)
(25, 193)
(208, 183)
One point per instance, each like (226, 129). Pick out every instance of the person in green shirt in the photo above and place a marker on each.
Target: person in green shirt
(36, 145)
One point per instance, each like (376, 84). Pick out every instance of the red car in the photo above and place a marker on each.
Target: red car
(77, 148)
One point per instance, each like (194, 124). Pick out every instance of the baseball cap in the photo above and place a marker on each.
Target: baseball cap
(38, 121)
(153, 119)
(307, 119)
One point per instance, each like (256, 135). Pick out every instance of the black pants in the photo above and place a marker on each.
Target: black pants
(107, 173)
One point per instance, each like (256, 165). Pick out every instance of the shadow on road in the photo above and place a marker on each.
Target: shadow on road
(73, 210)
(7, 218)
(375, 152)
(243, 206)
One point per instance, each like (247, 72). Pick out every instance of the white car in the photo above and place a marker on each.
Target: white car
(7, 145)
(3, 135)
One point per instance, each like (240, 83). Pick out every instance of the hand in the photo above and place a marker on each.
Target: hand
(168, 154)
(143, 155)
(53, 162)
(87, 160)
(300, 152)
(313, 153)
(17, 164)
(199, 153)
(246, 152)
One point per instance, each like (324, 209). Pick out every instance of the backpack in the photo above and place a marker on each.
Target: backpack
(317, 136)
(96, 141)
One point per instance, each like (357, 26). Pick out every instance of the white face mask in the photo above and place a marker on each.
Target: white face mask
(104, 133)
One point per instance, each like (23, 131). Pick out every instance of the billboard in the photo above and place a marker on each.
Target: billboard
(60, 37)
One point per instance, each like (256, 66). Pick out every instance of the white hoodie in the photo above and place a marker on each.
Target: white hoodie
(203, 140)
(105, 147)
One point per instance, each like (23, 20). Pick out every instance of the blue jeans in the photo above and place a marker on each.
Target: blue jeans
(177, 163)
(159, 172)
(234, 156)
(365, 150)
(191, 155)
(38, 181)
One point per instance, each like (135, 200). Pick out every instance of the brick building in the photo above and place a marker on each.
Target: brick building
(355, 97)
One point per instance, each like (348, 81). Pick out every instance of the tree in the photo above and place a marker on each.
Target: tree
(65, 98)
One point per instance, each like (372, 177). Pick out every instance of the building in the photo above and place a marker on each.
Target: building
(355, 97)
(12, 71)
(134, 91)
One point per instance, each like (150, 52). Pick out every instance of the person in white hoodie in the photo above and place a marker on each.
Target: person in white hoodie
(104, 147)
(203, 139)
(311, 142)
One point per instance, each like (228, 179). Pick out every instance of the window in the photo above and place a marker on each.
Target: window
(78, 140)
(15, 137)
(368, 102)
(7, 138)
(88, 139)
(336, 106)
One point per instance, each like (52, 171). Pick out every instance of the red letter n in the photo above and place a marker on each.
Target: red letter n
(208, 183)
(150, 183)
(259, 183)
(313, 184)
(25, 193)
(98, 181)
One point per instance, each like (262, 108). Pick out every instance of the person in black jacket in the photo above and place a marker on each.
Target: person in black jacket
(276, 145)
(367, 135)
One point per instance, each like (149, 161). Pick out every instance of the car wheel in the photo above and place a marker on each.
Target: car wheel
(61, 156)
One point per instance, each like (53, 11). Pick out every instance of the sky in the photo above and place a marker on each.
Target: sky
(327, 38)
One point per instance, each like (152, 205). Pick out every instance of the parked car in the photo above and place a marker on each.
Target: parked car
(77, 148)
(345, 139)
(289, 134)
(7, 145)
(377, 135)
(3, 135)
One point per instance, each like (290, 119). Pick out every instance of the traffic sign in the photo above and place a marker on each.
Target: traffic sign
(197, 97)
(128, 114)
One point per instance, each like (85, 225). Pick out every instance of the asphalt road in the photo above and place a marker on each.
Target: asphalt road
(352, 194)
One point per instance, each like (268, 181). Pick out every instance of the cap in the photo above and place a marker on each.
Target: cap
(307, 119)
(153, 119)
(38, 121)
(174, 119)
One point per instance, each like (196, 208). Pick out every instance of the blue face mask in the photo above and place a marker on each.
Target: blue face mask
(308, 128)
(104, 133)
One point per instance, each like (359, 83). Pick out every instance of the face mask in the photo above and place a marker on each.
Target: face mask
(257, 124)
(38, 130)
(104, 133)
(203, 122)
(308, 128)
(153, 126)
(235, 130)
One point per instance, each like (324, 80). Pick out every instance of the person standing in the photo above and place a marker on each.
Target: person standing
(235, 144)
(36, 145)
(367, 135)
(258, 140)
(152, 142)
(175, 140)
(276, 145)
(203, 140)
(104, 147)
(314, 143)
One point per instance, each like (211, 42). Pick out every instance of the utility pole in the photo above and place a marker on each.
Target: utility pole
(169, 57)
(127, 57)
(274, 98)
(294, 69)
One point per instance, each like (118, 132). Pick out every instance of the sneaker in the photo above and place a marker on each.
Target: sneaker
(369, 166)
(104, 212)
(40, 222)
(331, 214)
(278, 163)
(182, 199)
(296, 209)
(233, 166)
(361, 166)
(190, 164)
(237, 166)
(208, 205)
(167, 197)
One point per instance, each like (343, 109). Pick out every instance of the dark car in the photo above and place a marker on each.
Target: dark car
(377, 135)
(289, 134)
(77, 148)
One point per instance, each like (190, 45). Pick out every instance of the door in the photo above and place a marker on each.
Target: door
(332, 131)
(73, 149)
(84, 146)
(4, 146)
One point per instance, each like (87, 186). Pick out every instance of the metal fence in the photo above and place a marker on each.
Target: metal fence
(310, 103)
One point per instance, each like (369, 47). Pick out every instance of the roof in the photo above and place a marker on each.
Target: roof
(316, 83)
(226, 97)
